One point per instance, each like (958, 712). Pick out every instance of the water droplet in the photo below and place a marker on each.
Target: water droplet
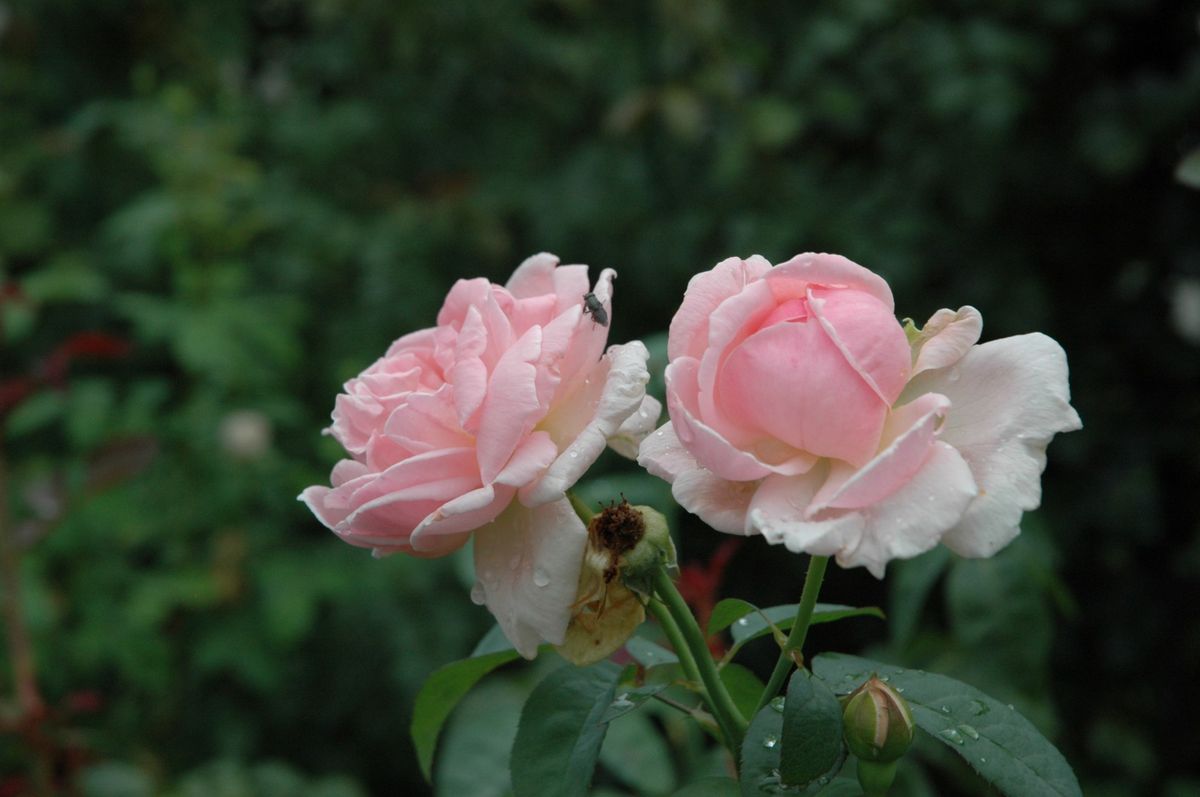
(540, 577)
(777, 704)
(953, 375)
(573, 454)
(1010, 707)
(642, 414)
(900, 689)
(622, 701)
(951, 735)
(769, 742)
(659, 433)
(823, 780)
(982, 760)
(899, 671)
(743, 621)
(945, 709)
(885, 678)
(979, 708)
(969, 731)
(478, 596)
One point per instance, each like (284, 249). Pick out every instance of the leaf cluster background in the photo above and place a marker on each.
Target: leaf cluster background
(255, 198)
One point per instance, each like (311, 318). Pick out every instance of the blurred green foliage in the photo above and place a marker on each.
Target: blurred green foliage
(256, 197)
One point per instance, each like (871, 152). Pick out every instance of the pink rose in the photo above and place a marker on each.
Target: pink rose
(479, 425)
(801, 410)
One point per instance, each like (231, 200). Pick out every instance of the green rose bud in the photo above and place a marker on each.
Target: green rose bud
(879, 730)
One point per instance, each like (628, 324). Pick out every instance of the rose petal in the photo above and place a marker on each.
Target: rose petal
(1009, 398)
(527, 563)
(907, 438)
(791, 279)
(708, 446)
(511, 408)
(534, 277)
(945, 338)
(688, 333)
(529, 461)
(588, 420)
(905, 524)
(465, 513)
(874, 343)
(630, 434)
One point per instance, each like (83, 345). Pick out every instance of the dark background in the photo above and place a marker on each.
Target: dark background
(212, 213)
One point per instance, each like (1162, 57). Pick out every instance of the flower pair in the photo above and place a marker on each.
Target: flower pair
(801, 409)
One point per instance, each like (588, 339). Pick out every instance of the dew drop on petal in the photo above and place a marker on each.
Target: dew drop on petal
(478, 596)
(540, 577)
(573, 454)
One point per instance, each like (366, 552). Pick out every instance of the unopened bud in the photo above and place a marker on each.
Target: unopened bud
(879, 730)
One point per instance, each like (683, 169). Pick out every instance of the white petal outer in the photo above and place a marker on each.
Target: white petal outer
(623, 393)
(662, 455)
(945, 338)
(633, 431)
(527, 564)
(908, 522)
(1009, 397)
(720, 503)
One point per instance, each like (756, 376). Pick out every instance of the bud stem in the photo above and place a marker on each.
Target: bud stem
(733, 724)
(795, 640)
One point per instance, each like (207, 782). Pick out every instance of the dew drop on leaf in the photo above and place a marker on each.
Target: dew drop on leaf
(769, 742)
(969, 731)
(777, 704)
(951, 735)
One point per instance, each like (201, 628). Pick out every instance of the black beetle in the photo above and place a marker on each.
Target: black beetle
(592, 307)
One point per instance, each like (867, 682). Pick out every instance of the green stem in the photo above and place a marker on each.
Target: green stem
(581, 508)
(675, 637)
(733, 724)
(795, 640)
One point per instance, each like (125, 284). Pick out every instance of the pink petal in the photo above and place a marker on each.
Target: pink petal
(529, 461)
(867, 335)
(792, 279)
(527, 563)
(534, 277)
(465, 513)
(1009, 398)
(662, 455)
(705, 292)
(908, 437)
(816, 402)
(511, 407)
(712, 450)
(583, 422)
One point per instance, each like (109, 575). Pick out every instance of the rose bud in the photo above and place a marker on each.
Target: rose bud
(879, 730)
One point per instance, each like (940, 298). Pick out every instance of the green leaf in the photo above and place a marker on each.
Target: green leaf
(478, 739)
(636, 753)
(760, 623)
(493, 641)
(812, 731)
(627, 700)
(441, 693)
(649, 654)
(997, 742)
(1188, 170)
(728, 611)
(561, 730)
(710, 787)
(761, 770)
(744, 687)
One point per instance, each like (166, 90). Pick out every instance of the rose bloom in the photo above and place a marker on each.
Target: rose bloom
(479, 425)
(802, 410)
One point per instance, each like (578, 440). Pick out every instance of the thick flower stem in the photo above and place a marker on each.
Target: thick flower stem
(733, 724)
(795, 640)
